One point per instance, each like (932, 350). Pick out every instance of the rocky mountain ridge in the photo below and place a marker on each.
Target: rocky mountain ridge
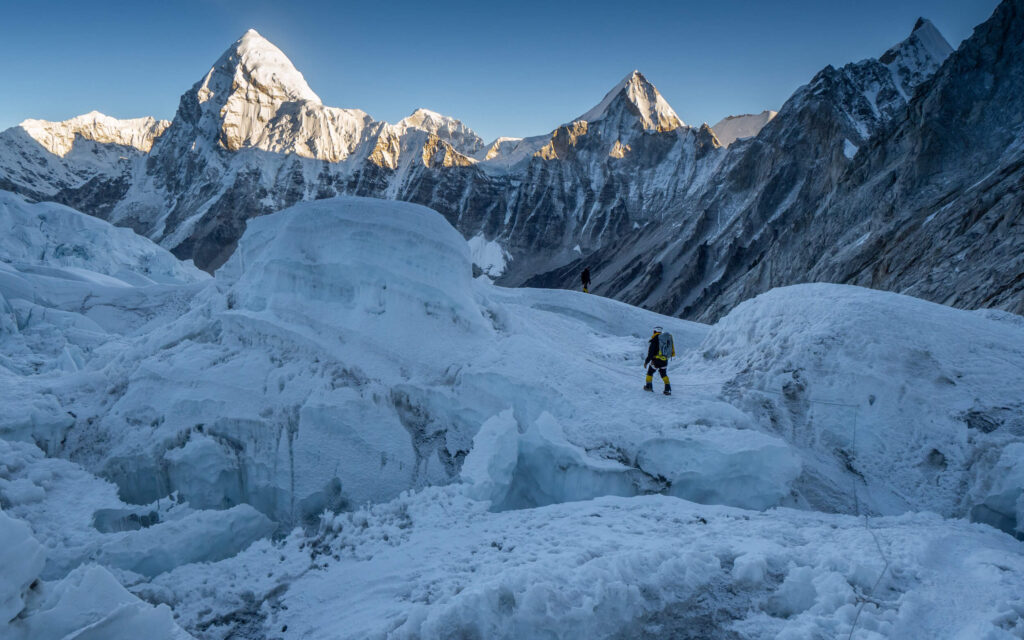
(661, 211)
(874, 190)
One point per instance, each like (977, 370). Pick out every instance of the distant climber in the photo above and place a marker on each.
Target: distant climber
(585, 278)
(659, 349)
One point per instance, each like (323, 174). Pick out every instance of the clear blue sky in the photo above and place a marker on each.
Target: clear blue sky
(504, 68)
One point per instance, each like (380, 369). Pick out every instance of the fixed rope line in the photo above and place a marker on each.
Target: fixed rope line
(864, 599)
(867, 525)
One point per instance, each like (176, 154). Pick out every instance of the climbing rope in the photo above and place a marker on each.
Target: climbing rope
(868, 597)
(867, 525)
(863, 599)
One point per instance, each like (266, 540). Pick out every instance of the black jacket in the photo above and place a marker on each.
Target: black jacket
(653, 349)
(585, 276)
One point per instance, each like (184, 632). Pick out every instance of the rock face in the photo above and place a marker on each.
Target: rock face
(936, 205)
(850, 183)
(663, 213)
(930, 206)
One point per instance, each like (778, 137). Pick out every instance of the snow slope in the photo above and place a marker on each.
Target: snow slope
(47, 236)
(516, 478)
(732, 128)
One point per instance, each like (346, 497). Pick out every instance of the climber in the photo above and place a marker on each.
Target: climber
(585, 277)
(659, 349)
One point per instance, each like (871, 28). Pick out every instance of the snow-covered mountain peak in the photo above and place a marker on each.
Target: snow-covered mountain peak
(425, 118)
(642, 99)
(732, 128)
(453, 131)
(930, 37)
(254, 97)
(59, 137)
(917, 57)
(254, 62)
(251, 72)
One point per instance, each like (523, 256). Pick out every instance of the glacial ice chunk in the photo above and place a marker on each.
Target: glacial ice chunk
(203, 536)
(736, 467)
(22, 558)
(491, 462)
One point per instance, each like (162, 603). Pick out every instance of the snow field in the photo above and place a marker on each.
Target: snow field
(254, 396)
(437, 564)
(345, 356)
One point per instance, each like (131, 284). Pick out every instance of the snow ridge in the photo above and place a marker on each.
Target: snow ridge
(59, 137)
(733, 128)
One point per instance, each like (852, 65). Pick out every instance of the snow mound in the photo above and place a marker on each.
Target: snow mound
(53, 240)
(912, 400)
(359, 263)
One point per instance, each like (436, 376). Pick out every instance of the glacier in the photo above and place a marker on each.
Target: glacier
(343, 433)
